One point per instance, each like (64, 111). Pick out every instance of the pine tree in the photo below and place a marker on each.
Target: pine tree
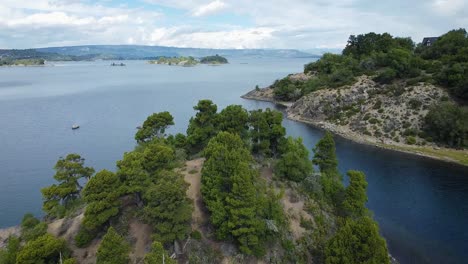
(167, 208)
(294, 163)
(69, 171)
(102, 194)
(154, 126)
(203, 126)
(358, 241)
(158, 255)
(113, 249)
(355, 196)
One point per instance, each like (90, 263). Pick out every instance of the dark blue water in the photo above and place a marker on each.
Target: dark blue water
(420, 204)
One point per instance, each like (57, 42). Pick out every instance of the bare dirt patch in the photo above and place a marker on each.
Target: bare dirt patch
(141, 232)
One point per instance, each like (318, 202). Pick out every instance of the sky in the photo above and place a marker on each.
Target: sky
(283, 24)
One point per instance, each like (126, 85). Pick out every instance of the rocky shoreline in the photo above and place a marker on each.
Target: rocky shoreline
(430, 151)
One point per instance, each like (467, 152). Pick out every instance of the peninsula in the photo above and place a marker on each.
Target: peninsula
(189, 61)
(386, 92)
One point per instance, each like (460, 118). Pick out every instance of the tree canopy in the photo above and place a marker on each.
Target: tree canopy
(59, 196)
(113, 249)
(294, 163)
(167, 208)
(102, 194)
(154, 126)
(356, 242)
(203, 126)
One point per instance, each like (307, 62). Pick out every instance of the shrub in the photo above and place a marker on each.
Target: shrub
(411, 140)
(386, 76)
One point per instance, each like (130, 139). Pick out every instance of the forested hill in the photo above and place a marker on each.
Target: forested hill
(386, 90)
(151, 52)
(233, 189)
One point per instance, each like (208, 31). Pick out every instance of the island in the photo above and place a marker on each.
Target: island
(216, 59)
(22, 62)
(189, 61)
(387, 92)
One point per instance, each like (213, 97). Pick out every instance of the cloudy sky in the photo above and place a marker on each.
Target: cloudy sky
(299, 24)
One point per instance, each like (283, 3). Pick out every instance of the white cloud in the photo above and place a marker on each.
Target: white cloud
(209, 9)
(303, 24)
(448, 7)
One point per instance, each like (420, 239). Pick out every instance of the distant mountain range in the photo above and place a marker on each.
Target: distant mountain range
(151, 52)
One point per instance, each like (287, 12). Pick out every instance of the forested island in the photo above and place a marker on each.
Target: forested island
(386, 91)
(189, 61)
(233, 189)
(22, 62)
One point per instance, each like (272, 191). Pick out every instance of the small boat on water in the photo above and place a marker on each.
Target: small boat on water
(117, 64)
(75, 127)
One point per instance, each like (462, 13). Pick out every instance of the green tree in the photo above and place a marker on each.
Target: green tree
(43, 250)
(267, 132)
(325, 155)
(167, 208)
(59, 197)
(154, 126)
(32, 228)
(294, 164)
(241, 204)
(133, 176)
(8, 255)
(158, 255)
(157, 156)
(357, 242)
(355, 197)
(448, 123)
(234, 119)
(203, 126)
(113, 249)
(229, 189)
(325, 159)
(101, 194)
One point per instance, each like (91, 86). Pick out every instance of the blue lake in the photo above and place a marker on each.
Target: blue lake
(420, 204)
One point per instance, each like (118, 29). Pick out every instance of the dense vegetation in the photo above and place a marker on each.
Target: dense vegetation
(244, 208)
(396, 63)
(216, 59)
(181, 61)
(21, 62)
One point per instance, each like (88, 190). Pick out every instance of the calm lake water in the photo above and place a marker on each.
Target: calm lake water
(420, 204)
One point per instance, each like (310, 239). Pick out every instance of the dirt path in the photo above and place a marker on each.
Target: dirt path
(194, 179)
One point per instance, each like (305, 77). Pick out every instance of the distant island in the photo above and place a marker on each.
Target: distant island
(22, 62)
(216, 59)
(386, 91)
(189, 61)
(176, 61)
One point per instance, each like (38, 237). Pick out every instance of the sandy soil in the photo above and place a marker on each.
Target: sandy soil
(141, 232)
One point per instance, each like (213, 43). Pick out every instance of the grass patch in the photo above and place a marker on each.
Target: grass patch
(193, 171)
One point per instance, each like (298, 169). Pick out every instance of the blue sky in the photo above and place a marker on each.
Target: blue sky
(298, 24)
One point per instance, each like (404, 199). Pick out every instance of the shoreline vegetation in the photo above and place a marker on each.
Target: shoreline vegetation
(190, 61)
(386, 91)
(21, 62)
(438, 153)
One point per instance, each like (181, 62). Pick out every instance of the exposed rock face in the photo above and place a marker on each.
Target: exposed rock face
(385, 112)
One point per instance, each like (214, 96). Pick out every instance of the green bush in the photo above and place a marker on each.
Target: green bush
(386, 76)
(411, 140)
(84, 237)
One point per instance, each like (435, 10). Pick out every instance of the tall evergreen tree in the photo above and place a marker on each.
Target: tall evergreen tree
(154, 126)
(325, 158)
(69, 171)
(234, 119)
(167, 208)
(203, 126)
(102, 194)
(133, 176)
(267, 132)
(294, 163)
(113, 249)
(355, 197)
(357, 242)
